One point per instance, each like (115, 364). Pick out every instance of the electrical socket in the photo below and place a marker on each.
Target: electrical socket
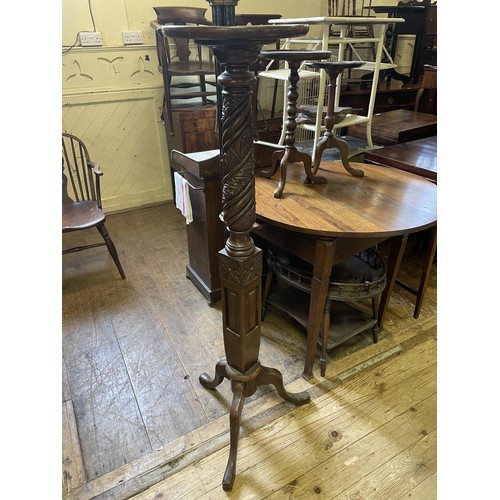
(132, 37)
(90, 39)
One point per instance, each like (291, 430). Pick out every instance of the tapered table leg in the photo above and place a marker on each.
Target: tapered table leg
(426, 269)
(396, 252)
(322, 270)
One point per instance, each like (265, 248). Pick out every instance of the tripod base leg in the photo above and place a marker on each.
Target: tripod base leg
(234, 422)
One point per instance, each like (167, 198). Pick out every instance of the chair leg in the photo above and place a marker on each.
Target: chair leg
(111, 248)
(168, 106)
(203, 88)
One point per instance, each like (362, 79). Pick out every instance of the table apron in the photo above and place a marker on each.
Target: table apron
(303, 245)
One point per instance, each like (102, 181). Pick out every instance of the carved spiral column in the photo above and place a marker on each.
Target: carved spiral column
(240, 261)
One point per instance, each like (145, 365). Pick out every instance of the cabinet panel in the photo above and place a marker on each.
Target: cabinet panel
(194, 130)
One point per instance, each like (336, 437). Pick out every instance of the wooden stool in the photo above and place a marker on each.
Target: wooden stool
(362, 276)
(281, 159)
(333, 70)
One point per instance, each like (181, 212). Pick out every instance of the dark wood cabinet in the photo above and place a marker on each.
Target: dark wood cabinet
(420, 20)
(205, 234)
(195, 132)
(430, 40)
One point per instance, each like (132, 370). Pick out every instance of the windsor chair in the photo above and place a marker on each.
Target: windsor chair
(81, 196)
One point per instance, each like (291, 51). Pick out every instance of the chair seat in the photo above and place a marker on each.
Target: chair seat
(81, 215)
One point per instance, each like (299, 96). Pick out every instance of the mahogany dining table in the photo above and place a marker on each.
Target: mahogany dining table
(324, 224)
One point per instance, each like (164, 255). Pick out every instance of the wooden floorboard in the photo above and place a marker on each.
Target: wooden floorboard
(133, 351)
(73, 472)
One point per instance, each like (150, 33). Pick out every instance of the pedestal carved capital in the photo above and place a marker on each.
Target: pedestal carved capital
(240, 272)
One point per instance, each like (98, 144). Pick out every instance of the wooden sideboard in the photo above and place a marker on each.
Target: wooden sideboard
(194, 132)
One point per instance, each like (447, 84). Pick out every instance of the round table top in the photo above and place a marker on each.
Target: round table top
(235, 35)
(385, 202)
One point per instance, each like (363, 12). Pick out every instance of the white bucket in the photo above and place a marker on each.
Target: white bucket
(404, 53)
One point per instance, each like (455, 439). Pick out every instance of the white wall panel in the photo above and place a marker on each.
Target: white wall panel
(112, 99)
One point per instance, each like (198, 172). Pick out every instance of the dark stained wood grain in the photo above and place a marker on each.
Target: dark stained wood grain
(383, 203)
(240, 262)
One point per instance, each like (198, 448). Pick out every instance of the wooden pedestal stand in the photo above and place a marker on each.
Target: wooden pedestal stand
(329, 140)
(240, 262)
(281, 159)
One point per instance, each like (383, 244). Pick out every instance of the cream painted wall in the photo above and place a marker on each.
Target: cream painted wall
(112, 95)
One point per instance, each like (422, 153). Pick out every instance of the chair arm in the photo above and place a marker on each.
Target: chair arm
(95, 167)
(97, 172)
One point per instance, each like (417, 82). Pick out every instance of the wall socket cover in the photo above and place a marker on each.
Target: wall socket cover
(132, 37)
(90, 38)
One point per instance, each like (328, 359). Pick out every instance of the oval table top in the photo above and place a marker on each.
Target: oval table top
(385, 202)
